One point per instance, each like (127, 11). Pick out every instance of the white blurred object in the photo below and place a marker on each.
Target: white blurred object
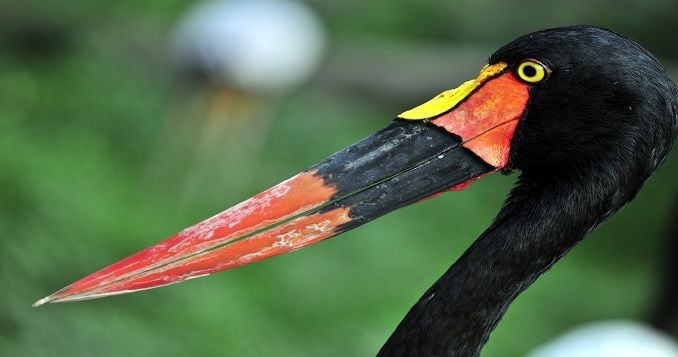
(618, 338)
(264, 46)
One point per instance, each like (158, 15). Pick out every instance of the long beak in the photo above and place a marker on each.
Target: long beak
(467, 134)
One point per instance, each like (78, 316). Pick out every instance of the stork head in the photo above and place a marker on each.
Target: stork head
(555, 104)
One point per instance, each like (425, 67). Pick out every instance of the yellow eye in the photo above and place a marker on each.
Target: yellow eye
(532, 71)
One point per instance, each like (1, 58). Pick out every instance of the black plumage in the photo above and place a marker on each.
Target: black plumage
(596, 114)
(593, 133)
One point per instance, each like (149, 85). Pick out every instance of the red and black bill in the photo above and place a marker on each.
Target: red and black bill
(413, 158)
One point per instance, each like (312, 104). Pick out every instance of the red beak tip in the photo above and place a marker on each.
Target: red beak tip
(55, 298)
(43, 301)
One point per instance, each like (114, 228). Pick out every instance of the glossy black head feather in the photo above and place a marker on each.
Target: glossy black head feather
(593, 132)
(608, 107)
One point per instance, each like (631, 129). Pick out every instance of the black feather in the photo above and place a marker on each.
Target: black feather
(593, 132)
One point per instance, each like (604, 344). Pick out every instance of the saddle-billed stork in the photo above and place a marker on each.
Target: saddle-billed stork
(585, 114)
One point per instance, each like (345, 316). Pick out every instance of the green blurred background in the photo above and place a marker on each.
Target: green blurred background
(92, 169)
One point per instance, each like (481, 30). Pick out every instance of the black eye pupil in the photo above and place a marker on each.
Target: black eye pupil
(529, 71)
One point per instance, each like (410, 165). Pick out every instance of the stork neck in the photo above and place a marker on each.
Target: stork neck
(538, 225)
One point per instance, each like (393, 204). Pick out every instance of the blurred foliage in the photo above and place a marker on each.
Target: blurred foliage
(86, 94)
